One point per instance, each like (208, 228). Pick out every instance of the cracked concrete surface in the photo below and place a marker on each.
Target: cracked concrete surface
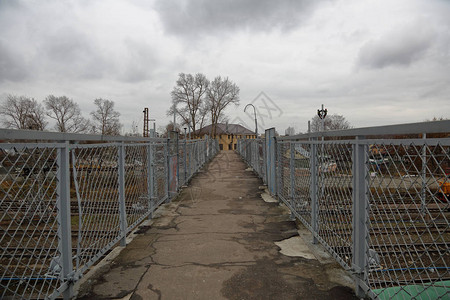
(217, 241)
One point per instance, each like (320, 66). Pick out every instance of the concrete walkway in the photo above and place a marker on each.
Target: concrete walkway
(217, 241)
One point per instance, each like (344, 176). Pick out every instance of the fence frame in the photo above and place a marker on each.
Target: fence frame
(360, 139)
(65, 145)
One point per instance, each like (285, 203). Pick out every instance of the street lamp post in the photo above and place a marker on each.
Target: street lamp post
(256, 122)
(322, 113)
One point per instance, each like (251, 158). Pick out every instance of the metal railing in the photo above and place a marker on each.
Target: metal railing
(378, 199)
(67, 199)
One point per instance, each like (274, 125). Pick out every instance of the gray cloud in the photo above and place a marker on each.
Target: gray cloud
(64, 47)
(193, 17)
(399, 48)
(300, 53)
(140, 62)
(65, 44)
(72, 53)
(12, 66)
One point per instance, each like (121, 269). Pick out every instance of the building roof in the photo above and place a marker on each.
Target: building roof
(223, 128)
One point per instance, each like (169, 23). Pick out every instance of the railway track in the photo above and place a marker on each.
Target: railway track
(437, 228)
(387, 249)
(393, 283)
(47, 232)
(40, 253)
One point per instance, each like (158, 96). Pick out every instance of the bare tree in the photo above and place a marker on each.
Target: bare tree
(21, 112)
(203, 112)
(289, 131)
(436, 119)
(134, 129)
(106, 118)
(220, 93)
(67, 114)
(168, 128)
(188, 99)
(331, 122)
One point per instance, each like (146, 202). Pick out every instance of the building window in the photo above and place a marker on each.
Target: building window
(229, 146)
(221, 146)
(234, 146)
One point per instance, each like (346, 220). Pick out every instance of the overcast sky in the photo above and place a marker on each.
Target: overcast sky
(375, 62)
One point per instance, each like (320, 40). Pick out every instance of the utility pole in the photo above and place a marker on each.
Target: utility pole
(145, 132)
(174, 117)
(146, 123)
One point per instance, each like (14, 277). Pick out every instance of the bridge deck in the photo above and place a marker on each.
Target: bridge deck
(216, 241)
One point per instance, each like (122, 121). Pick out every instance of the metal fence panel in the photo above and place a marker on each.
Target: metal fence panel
(95, 202)
(334, 196)
(409, 234)
(63, 206)
(30, 265)
(380, 206)
(302, 183)
(137, 198)
(161, 171)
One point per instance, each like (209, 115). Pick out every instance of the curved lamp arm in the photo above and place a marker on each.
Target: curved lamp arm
(256, 122)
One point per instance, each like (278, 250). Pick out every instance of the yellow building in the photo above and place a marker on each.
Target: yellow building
(227, 134)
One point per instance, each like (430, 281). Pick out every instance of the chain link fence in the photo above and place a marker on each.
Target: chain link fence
(66, 204)
(252, 151)
(378, 199)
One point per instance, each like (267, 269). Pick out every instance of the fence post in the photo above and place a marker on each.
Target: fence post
(279, 168)
(360, 204)
(190, 160)
(64, 219)
(423, 191)
(264, 160)
(185, 161)
(270, 153)
(197, 156)
(257, 166)
(252, 155)
(313, 192)
(168, 158)
(150, 180)
(206, 150)
(292, 177)
(177, 145)
(122, 210)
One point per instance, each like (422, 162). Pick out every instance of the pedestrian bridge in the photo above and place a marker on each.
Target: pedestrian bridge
(376, 199)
